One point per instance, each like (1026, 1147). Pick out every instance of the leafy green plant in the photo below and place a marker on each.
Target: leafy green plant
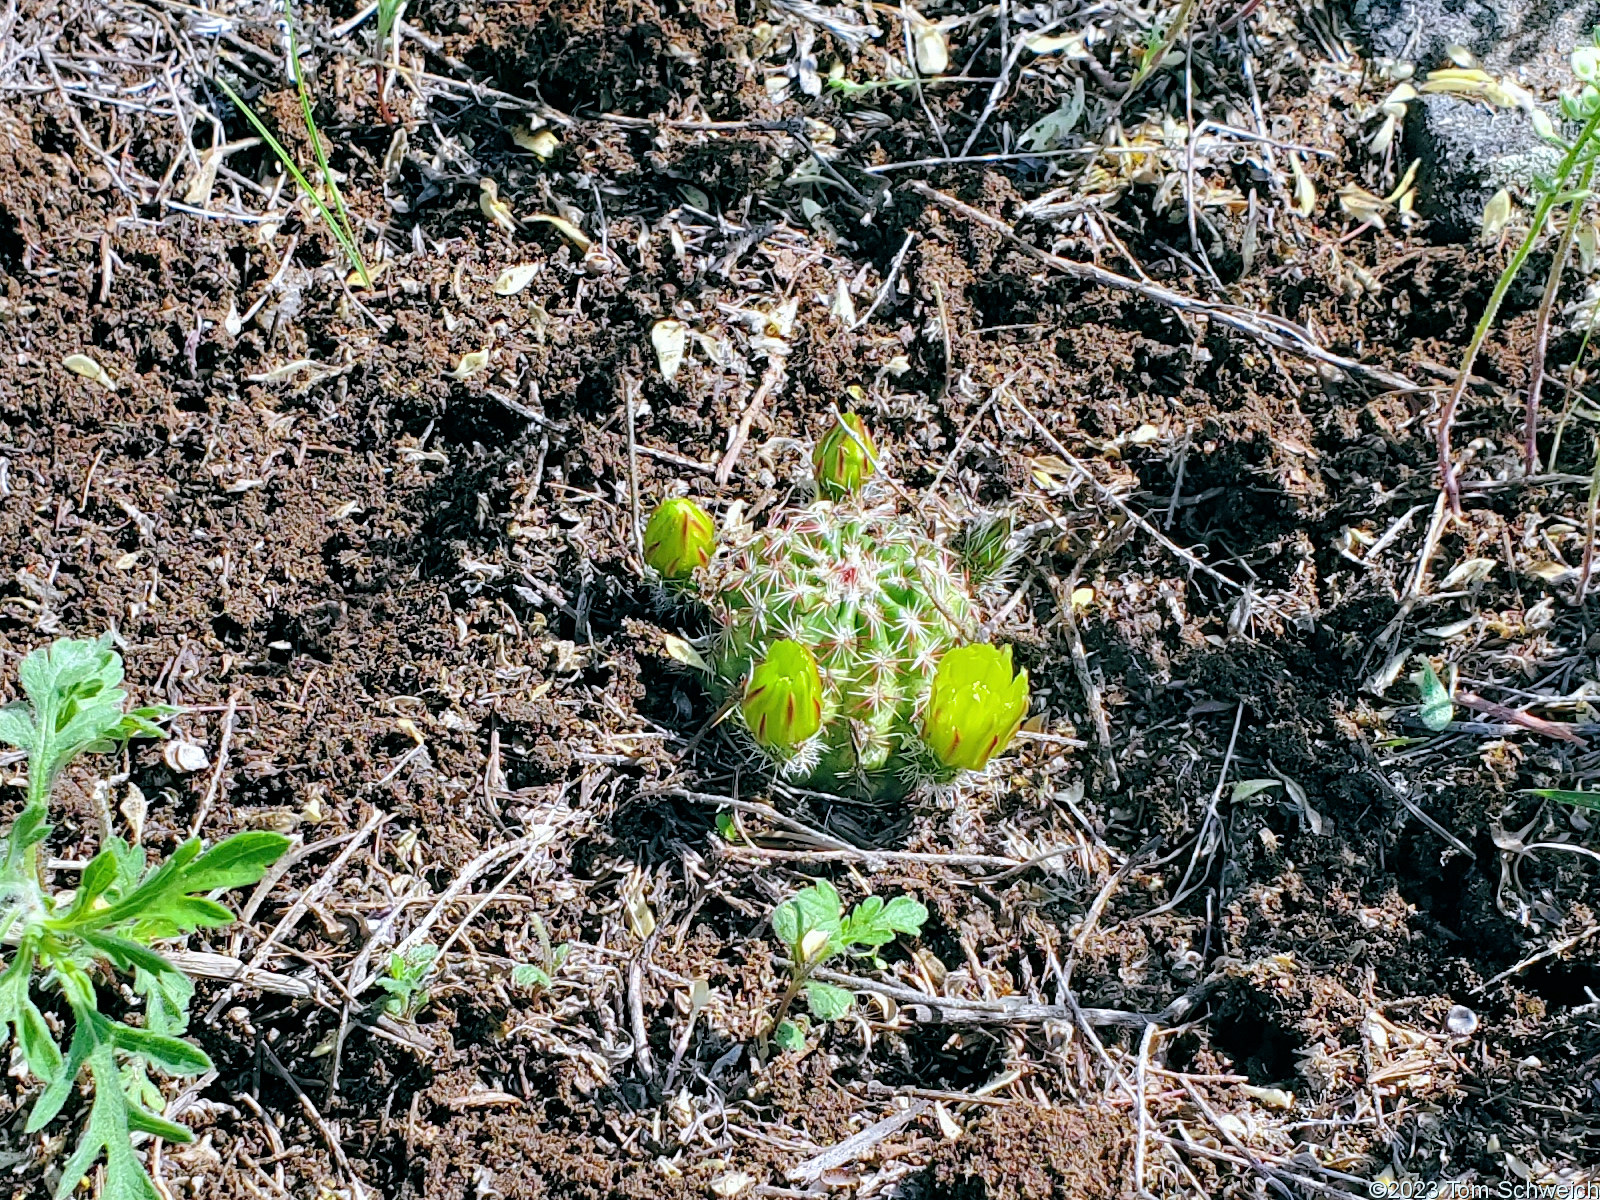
(123, 904)
(338, 221)
(815, 928)
(830, 627)
(406, 982)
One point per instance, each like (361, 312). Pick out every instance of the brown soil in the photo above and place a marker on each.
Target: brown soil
(375, 587)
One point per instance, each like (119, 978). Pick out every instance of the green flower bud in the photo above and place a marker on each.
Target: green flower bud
(783, 700)
(976, 706)
(845, 458)
(679, 538)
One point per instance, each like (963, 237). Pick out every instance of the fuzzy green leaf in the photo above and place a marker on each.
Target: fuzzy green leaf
(1436, 710)
(17, 1009)
(526, 975)
(172, 1055)
(828, 1003)
(74, 692)
(16, 726)
(108, 1131)
(166, 999)
(789, 1037)
(38, 1046)
(814, 907)
(58, 1089)
(30, 829)
(128, 955)
(148, 899)
(96, 880)
(904, 915)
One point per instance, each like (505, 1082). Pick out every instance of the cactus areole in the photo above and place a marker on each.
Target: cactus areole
(828, 630)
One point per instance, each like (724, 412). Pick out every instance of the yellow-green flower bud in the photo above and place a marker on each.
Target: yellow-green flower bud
(679, 538)
(783, 700)
(845, 458)
(976, 706)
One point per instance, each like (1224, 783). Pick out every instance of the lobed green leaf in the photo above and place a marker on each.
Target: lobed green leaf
(239, 861)
(828, 1003)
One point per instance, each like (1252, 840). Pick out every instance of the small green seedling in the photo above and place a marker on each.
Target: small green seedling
(407, 979)
(540, 974)
(388, 15)
(122, 905)
(1436, 709)
(814, 927)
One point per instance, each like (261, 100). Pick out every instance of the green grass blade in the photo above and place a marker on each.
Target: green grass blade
(1566, 796)
(340, 235)
(350, 238)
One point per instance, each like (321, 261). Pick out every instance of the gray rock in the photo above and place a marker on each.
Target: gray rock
(1527, 38)
(1419, 30)
(1469, 150)
(1468, 153)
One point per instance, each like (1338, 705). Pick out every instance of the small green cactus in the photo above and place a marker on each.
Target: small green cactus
(679, 538)
(844, 637)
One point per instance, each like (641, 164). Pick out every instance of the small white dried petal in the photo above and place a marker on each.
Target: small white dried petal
(513, 279)
(82, 364)
(135, 808)
(1496, 215)
(933, 54)
(734, 1183)
(1270, 1096)
(1305, 193)
(1588, 239)
(679, 650)
(523, 135)
(813, 944)
(544, 143)
(185, 757)
(471, 363)
(843, 307)
(669, 338)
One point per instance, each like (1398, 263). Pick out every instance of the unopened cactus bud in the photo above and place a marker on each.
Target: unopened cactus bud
(976, 706)
(845, 458)
(679, 538)
(783, 701)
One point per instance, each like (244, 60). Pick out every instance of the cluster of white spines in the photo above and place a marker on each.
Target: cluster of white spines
(876, 599)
